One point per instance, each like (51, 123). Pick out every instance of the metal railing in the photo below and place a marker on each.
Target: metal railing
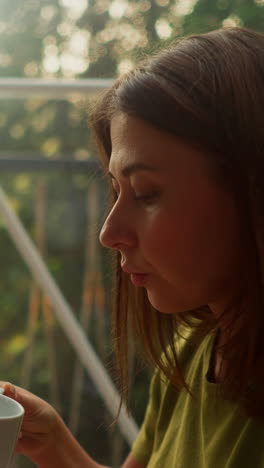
(16, 88)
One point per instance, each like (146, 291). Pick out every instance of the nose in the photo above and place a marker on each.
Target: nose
(117, 231)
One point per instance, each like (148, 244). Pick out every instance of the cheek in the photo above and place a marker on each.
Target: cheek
(199, 244)
(167, 242)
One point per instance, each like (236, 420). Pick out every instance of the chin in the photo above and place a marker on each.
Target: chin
(165, 306)
(171, 305)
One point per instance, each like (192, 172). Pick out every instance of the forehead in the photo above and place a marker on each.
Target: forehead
(133, 132)
(131, 141)
(135, 141)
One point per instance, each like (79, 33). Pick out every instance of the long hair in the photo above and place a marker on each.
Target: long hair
(208, 91)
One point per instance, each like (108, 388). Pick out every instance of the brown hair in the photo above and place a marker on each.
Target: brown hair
(207, 90)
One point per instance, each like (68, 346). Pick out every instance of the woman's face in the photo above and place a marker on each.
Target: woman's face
(178, 232)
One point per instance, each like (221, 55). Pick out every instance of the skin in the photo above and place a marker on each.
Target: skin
(174, 222)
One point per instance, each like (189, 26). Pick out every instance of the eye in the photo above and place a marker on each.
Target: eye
(147, 198)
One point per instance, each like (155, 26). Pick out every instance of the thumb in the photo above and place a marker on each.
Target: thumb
(21, 395)
(8, 389)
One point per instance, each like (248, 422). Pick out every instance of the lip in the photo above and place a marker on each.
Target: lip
(139, 279)
(130, 269)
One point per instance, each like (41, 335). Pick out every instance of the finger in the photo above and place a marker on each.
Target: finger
(8, 389)
(29, 401)
(27, 445)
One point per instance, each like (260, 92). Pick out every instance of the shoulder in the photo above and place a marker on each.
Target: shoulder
(193, 347)
(189, 341)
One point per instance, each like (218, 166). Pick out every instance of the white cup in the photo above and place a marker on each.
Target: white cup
(11, 417)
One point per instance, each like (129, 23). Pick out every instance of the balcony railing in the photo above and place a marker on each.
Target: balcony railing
(51, 88)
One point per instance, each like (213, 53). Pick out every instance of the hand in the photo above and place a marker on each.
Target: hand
(41, 425)
(44, 437)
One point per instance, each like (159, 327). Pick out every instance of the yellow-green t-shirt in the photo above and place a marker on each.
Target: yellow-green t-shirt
(203, 431)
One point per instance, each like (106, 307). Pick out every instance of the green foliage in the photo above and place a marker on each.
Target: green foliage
(208, 15)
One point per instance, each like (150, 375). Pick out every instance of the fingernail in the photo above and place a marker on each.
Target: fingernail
(12, 390)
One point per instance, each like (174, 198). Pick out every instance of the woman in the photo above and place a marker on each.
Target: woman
(182, 140)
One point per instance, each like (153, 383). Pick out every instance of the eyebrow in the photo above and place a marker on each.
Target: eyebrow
(134, 167)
